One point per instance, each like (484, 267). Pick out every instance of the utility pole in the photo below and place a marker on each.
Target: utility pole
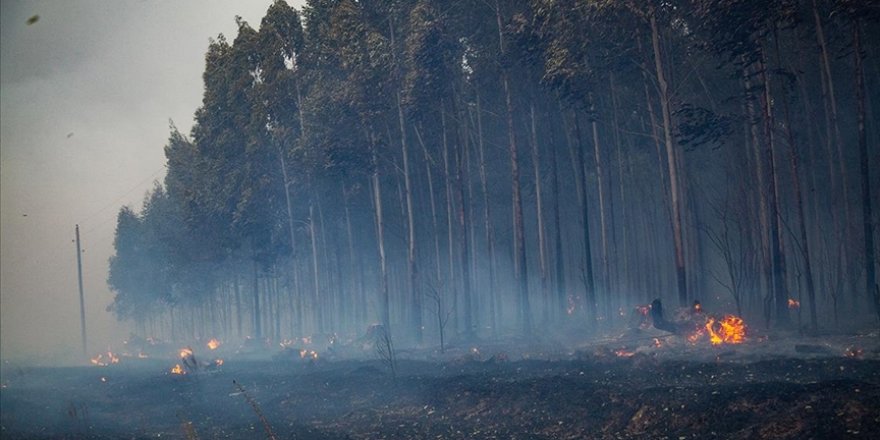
(82, 307)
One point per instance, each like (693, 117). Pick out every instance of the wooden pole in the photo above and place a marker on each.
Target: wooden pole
(82, 307)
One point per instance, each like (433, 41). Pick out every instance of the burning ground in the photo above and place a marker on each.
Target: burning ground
(639, 384)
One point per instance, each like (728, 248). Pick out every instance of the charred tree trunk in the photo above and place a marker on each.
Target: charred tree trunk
(494, 301)
(539, 208)
(777, 256)
(589, 278)
(518, 227)
(672, 159)
(412, 267)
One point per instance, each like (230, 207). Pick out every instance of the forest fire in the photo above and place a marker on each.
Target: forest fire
(730, 330)
(213, 344)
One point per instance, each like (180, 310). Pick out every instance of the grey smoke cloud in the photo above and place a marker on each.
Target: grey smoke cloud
(86, 91)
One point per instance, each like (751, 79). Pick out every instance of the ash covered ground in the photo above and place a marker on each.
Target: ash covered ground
(641, 384)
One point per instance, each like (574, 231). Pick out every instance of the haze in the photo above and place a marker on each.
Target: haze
(86, 93)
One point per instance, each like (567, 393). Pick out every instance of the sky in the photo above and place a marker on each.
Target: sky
(86, 94)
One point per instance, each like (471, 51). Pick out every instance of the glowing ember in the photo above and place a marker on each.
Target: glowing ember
(853, 352)
(213, 344)
(570, 308)
(793, 303)
(177, 369)
(730, 330)
(624, 353)
(308, 354)
(698, 308)
(644, 310)
(102, 361)
(185, 353)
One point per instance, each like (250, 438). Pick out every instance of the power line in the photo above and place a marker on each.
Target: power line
(116, 201)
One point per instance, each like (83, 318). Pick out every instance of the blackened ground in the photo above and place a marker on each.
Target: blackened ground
(590, 394)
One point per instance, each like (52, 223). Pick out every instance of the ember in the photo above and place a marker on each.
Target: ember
(177, 369)
(308, 354)
(101, 361)
(185, 353)
(793, 303)
(624, 353)
(213, 344)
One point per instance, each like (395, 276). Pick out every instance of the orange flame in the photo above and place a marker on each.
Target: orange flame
(101, 361)
(185, 353)
(308, 354)
(793, 303)
(177, 369)
(730, 330)
(213, 344)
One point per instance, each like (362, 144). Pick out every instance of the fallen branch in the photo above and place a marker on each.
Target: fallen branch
(257, 410)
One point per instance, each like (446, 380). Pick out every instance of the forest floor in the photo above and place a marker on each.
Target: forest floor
(628, 386)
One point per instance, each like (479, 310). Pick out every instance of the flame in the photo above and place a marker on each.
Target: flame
(853, 352)
(308, 354)
(793, 303)
(185, 353)
(177, 369)
(101, 361)
(730, 330)
(213, 344)
(698, 308)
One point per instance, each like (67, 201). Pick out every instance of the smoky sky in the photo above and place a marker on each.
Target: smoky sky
(86, 93)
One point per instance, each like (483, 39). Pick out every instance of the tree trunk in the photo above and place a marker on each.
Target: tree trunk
(539, 208)
(672, 159)
(415, 295)
(589, 277)
(799, 200)
(871, 289)
(518, 227)
(384, 311)
(778, 258)
(449, 217)
(494, 300)
(605, 293)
